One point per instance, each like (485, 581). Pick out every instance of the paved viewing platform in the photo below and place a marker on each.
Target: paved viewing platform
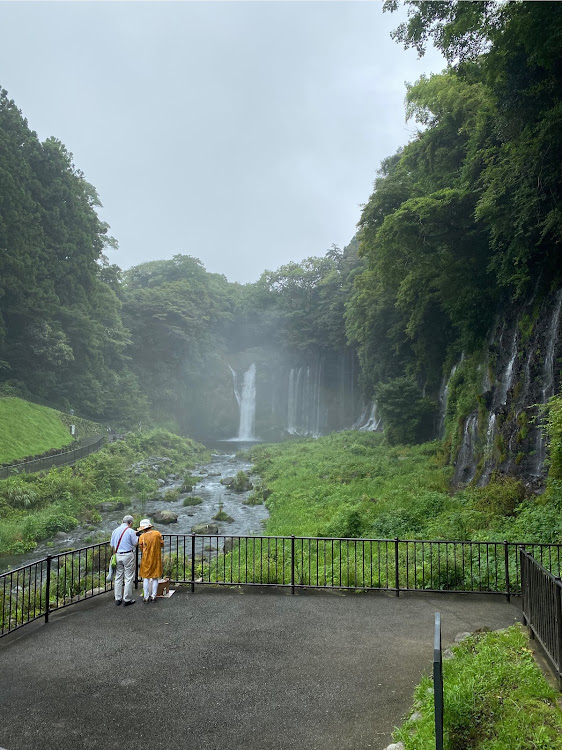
(223, 669)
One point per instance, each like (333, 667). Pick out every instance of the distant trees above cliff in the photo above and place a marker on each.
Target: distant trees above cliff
(469, 213)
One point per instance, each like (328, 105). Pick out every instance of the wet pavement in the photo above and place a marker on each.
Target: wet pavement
(228, 668)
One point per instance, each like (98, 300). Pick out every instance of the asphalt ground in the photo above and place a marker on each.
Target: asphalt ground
(223, 669)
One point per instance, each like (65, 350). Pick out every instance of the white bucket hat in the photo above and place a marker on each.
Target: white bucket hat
(144, 524)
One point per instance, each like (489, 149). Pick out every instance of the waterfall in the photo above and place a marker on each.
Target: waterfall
(246, 400)
(548, 369)
(368, 422)
(248, 405)
(548, 378)
(235, 385)
(466, 466)
(304, 403)
(443, 396)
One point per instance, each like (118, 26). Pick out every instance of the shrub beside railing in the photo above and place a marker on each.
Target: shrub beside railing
(35, 590)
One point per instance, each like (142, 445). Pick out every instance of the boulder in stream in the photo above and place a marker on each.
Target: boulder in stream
(110, 506)
(164, 516)
(205, 528)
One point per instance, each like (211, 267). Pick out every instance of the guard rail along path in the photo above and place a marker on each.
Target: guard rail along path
(33, 591)
(541, 608)
(89, 445)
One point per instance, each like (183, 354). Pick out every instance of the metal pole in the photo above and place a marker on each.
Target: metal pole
(396, 571)
(506, 559)
(293, 564)
(558, 626)
(438, 683)
(523, 585)
(193, 563)
(48, 588)
(136, 567)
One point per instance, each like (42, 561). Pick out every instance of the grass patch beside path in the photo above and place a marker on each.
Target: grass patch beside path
(351, 484)
(28, 429)
(495, 698)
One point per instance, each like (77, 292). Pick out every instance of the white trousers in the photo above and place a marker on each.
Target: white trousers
(125, 576)
(150, 587)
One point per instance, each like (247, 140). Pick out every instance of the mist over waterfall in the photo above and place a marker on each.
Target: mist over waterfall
(246, 399)
(304, 410)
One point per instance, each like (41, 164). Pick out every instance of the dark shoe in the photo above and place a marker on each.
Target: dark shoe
(145, 601)
(153, 600)
(128, 604)
(118, 602)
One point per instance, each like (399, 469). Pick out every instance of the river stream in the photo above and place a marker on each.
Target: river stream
(247, 519)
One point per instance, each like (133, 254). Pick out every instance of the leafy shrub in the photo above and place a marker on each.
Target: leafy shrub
(499, 498)
(393, 524)
(192, 501)
(348, 523)
(407, 415)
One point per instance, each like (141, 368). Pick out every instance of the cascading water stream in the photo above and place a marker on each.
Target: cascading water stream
(246, 400)
(500, 400)
(248, 405)
(368, 422)
(466, 467)
(548, 377)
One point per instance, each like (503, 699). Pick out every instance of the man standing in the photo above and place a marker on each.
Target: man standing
(123, 542)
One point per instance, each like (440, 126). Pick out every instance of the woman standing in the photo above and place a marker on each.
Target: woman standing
(151, 543)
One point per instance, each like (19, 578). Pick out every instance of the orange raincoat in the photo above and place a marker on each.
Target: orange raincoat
(151, 543)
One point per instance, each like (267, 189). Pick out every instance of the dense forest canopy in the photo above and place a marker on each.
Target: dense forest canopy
(464, 221)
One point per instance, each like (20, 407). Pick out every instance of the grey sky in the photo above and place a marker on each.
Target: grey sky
(246, 134)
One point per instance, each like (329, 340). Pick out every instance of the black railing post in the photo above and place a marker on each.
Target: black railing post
(396, 571)
(48, 588)
(293, 563)
(506, 559)
(192, 563)
(136, 567)
(558, 627)
(438, 683)
(522, 573)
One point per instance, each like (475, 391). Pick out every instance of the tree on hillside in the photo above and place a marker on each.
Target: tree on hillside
(61, 334)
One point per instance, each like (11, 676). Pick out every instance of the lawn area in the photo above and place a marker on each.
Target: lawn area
(28, 429)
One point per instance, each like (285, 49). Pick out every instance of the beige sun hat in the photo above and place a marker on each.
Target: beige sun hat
(144, 524)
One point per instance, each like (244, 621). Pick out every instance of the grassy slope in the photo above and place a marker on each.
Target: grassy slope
(495, 698)
(352, 484)
(29, 429)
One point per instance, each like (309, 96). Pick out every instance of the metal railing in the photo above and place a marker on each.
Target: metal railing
(541, 609)
(63, 458)
(33, 591)
(367, 564)
(395, 565)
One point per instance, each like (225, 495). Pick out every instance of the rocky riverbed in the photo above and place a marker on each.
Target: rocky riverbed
(215, 496)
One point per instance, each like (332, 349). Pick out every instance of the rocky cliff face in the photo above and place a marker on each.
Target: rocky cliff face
(492, 400)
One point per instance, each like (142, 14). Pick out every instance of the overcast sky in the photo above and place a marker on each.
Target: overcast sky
(246, 134)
